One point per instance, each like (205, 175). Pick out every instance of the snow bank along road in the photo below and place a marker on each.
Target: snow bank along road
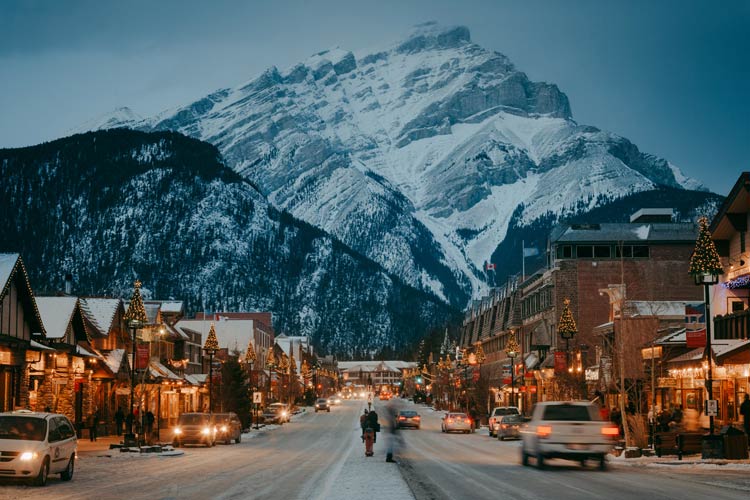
(459, 466)
(317, 456)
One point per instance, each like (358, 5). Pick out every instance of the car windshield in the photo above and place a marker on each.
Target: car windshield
(193, 419)
(505, 411)
(573, 413)
(222, 418)
(457, 415)
(23, 428)
(322, 401)
(511, 419)
(408, 414)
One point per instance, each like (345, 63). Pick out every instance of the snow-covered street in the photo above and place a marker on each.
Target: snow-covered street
(317, 455)
(320, 456)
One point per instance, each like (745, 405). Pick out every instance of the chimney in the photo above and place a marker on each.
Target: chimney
(68, 284)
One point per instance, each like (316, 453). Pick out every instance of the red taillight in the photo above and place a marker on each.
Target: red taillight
(543, 431)
(611, 431)
(417, 417)
(402, 418)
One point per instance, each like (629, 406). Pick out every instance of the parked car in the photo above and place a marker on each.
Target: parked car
(322, 405)
(571, 430)
(509, 426)
(456, 422)
(34, 445)
(497, 413)
(228, 427)
(194, 428)
(408, 418)
(276, 413)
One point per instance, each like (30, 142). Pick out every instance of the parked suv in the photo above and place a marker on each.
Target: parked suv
(228, 427)
(497, 413)
(34, 445)
(194, 428)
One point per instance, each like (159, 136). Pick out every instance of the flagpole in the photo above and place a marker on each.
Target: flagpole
(523, 261)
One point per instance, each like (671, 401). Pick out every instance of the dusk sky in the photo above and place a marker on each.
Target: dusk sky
(671, 76)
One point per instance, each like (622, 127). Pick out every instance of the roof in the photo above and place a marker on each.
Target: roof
(230, 334)
(627, 233)
(372, 366)
(719, 347)
(56, 313)
(158, 370)
(113, 359)
(7, 264)
(737, 201)
(100, 312)
(172, 306)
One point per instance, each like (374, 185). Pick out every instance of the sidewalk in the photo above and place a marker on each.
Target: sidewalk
(88, 447)
(694, 461)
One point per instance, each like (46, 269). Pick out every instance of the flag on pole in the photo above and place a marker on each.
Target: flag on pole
(489, 266)
(530, 252)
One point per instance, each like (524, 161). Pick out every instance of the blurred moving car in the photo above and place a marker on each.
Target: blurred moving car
(509, 426)
(456, 422)
(228, 427)
(573, 430)
(34, 445)
(497, 413)
(322, 405)
(276, 413)
(408, 418)
(194, 428)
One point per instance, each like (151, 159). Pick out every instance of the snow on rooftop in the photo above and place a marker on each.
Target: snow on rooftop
(174, 306)
(642, 231)
(56, 313)
(101, 312)
(113, 359)
(7, 263)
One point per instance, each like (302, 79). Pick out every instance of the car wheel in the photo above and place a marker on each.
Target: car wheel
(501, 438)
(239, 438)
(603, 463)
(524, 457)
(67, 474)
(41, 479)
(540, 460)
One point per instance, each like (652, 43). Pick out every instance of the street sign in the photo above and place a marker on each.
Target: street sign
(257, 397)
(498, 397)
(712, 407)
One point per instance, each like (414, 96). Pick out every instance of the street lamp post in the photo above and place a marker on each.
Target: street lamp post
(135, 317)
(250, 358)
(512, 350)
(705, 267)
(211, 346)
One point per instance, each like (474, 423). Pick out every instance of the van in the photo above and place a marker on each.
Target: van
(34, 445)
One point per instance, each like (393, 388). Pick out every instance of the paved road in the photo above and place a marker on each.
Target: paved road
(297, 460)
(459, 466)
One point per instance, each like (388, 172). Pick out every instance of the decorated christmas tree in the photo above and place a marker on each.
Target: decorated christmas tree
(705, 258)
(212, 343)
(567, 325)
(136, 313)
(480, 354)
(250, 353)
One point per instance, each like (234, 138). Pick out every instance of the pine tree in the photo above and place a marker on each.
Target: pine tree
(234, 389)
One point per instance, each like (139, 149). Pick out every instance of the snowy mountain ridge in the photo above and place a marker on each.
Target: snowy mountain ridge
(418, 155)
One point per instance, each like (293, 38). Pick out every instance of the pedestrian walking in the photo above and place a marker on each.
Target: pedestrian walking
(745, 412)
(91, 422)
(119, 419)
(129, 422)
(149, 424)
(372, 423)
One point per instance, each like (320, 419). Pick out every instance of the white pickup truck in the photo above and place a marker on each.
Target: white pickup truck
(571, 430)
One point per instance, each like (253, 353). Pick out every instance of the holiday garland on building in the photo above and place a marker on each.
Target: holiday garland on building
(705, 258)
(271, 359)
(480, 354)
(567, 325)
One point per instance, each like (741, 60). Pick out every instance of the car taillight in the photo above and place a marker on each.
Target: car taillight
(504, 426)
(417, 417)
(611, 431)
(402, 418)
(543, 431)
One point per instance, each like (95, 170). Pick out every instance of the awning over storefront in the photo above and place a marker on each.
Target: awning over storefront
(540, 336)
(40, 347)
(161, 372)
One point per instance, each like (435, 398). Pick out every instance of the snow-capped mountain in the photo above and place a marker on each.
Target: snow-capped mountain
(110, 206)
(418, 155)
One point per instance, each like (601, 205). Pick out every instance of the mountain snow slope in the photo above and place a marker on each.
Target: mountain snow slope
(112, 206)
(417, 155)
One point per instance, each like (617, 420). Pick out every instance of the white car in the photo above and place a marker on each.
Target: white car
(34, 445)
(571, 430)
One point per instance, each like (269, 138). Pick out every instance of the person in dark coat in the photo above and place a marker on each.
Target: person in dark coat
(745, 412)
(91, 422)
(372, 423)
(129, 422)
(119, 419)
(149, 424)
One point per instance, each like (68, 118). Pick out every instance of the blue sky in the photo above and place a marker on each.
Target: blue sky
(672, 76)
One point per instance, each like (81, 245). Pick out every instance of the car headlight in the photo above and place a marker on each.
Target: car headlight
(224, 428)
(206, 430)
(28, 455)
(177, 431)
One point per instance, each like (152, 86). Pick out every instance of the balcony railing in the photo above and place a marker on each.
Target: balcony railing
(732, 326)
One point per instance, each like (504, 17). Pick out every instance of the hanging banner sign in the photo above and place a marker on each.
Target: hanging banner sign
(561, 363)
(695, 338)
(141, 359)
